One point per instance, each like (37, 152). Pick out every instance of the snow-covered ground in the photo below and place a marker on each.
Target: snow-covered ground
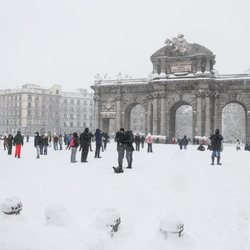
(65, 204)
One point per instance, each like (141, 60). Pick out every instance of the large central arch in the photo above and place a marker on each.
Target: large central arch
(182, 74)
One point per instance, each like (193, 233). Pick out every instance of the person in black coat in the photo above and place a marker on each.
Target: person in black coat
(37, 144)
(85, 139)
(216, 146)
(129, 138)
(183, 142)
(10, 143)
(98, 142)
(45, 142)
(18, 142)
(105, 140)
(137, 142)
(120, 138)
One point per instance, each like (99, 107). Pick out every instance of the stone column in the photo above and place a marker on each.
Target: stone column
(163, 68)
(198, 70)
(97, 111)
(207, 67)
(118, 112)
(248, 127)
(198, 115)
(216, 110)
(149, 116)
(155, 68)
(163, 114)
(207, 115)
(155, 117)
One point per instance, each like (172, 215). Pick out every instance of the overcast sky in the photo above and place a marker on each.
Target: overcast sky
(68, 42)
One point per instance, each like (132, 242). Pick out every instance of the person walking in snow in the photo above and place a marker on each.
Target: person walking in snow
(10, 143)
(129, 138)
(216, 146)
(142, 141)
(74, 143)
(5, 143)
(149, 141)
(85, 139)
(98, 142)
(120, 138)
(105, 140)
(237, 145)
(45, 142)
(184, 142)
(18, 143)
(37, 144)
(137, 142)
(55, 141)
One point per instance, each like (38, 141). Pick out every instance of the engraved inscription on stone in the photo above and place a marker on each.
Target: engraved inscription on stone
(177, 68)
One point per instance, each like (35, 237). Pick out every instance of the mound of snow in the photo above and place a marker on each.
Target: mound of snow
(12, 205)
(57, 215)
(171, 226)
(109, 221)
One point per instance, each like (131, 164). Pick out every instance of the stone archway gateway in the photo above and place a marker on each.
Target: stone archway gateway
(183, 74)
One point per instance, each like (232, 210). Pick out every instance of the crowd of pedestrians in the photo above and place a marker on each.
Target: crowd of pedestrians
(124, 140)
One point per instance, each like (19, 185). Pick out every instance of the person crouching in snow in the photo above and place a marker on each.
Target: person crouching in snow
(216, 146)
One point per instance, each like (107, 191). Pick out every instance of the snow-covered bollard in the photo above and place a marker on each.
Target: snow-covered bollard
(168, 227)
(109, 221)
(12, 205)
(56, 215)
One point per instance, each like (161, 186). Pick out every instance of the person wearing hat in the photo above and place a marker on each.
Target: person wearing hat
(18, 143)
(216, 146)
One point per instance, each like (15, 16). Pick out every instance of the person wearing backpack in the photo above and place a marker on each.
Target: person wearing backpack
(74, 143)
(216, 146)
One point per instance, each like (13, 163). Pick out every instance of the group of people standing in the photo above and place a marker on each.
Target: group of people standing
(125, 140)
(16, 141)
(84, 143)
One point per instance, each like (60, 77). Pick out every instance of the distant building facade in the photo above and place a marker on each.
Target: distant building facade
(32, 108)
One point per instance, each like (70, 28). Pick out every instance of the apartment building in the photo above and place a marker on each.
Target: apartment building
(32, 108)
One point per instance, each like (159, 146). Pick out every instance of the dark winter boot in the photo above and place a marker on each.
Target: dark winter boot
(118, 170)
(218, 161)
(212, 160)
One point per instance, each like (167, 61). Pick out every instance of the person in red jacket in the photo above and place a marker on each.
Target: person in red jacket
(18, 142)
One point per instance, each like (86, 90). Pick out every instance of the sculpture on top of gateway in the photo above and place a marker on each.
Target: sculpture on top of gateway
(178, 45)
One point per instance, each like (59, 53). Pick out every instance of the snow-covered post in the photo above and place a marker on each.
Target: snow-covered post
(12, 206)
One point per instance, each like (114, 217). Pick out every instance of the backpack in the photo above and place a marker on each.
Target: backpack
(72, 142)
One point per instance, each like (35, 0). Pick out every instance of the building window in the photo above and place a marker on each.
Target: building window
(57, 92)
(71, 124)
